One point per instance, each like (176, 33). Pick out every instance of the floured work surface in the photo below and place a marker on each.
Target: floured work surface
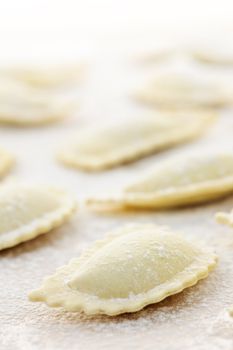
(194, 319)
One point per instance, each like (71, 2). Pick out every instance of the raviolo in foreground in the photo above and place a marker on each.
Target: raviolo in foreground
(132, 267)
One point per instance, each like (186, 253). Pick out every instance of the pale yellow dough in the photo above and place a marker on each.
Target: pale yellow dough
(214, 55)
(114, 144)
(132, 267)
(225, 218)
(179, 181)
(28, 211)
(184, 91)
(45, 76)
(6, 162)
(24, 106)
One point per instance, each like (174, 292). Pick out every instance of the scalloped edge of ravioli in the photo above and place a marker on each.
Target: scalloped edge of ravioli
(6, 162)
(42, 224)
(56, 292)
(225, 218)
(193, 125)
(166, 197)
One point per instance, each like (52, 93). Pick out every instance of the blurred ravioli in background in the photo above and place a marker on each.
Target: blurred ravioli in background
(114, 144)
(22, 105)
(183, 90)
(214, 53)
(46, 76)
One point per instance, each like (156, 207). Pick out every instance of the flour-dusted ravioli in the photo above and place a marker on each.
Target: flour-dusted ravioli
(225, 218)
(132, 267)
(114, 144)
(179, 181)
(28, 211)
(22, 106)
(184, 91)
(45, 76)
(231, 311)
(6, 162)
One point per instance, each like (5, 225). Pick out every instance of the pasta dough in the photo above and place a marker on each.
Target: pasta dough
(45, 76)
(28, 211)
(114, 144)
(132, 267)
(225, 218)
(179, 181)
(22, 106)
(183, 91)
(6, 162)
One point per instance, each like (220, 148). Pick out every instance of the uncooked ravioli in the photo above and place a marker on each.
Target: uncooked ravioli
(28, 211)
(176, 182)
(24, 106)
(132, 267)
(45, 76)
(185, 91)
(221, 55)
(114, 144)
